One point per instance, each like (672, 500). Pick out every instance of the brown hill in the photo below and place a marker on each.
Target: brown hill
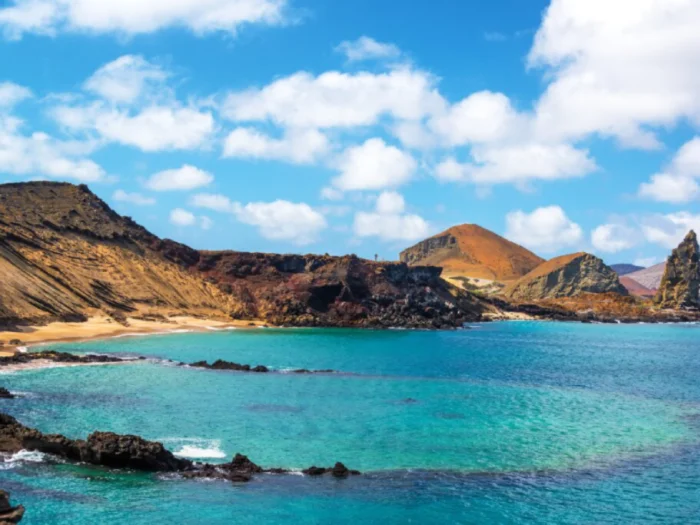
(64, 255)
(566, 276)
(635, 288)
(649, 277)
(472, 251)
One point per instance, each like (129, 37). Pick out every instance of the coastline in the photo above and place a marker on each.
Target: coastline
(102, 327)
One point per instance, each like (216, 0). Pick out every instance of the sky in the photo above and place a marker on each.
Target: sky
(303, 126)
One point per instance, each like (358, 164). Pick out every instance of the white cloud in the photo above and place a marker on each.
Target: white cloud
(669, 230)
(130, 17)
(180, 217)
(547, 229)
(205, 223)
(374, 166)
(331, 194)
(480, 118)
(518, 163)
(299, 146)
(334, 99)
(614, 238)
(213, 201)
(43, 155)
(679, 182)
(133, 198)
(125, 79)
(155, 128)
(283, 220)
(11, 94)
(618, 68)
(185, 178)
(389, 222)
(645, 262)
(366, 48)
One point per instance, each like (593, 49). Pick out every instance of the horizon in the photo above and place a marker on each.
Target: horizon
(302, 127)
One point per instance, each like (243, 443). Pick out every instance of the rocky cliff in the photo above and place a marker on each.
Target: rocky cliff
(680, 284)
(472, 251)
(64, 255)
(566, 276)
(320, 290)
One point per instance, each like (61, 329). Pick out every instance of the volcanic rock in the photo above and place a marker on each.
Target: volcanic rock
(8, 513)
(680, 285)
(6, 394)
(220, 364)
(472, 251)
(337, 471)
(566, 276)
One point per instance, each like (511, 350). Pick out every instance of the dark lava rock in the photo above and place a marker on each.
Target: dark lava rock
(59, 357)
(337, 471)
(8, 513)
(220, 364)
(6, 394)
(15, 342)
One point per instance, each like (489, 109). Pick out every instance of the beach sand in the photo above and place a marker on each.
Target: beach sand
(101, 326)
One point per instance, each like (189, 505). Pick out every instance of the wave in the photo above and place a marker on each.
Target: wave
(22, 349)
(220, 328)
(144, 334)
(196, 448)
(26, 456)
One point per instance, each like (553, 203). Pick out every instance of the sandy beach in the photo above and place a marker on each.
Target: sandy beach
(101, 326)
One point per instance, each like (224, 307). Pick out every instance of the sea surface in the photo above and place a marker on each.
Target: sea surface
(511, 422)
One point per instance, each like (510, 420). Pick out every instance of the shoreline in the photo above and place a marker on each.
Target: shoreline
(102, 327)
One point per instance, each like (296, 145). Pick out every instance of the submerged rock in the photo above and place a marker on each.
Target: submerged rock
(220, 364)
(680, 285)
(58, 357)
(8, 513)
(337, 471)
(6, 394)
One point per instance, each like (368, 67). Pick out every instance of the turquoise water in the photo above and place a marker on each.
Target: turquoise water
(504, 423)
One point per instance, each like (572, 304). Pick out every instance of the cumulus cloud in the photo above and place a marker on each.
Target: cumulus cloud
(618, 68)
(43, 155)
(546, 229)
(283, 220)
(125, 79)
(678, 183)
(11, 94)
(669, 230)
(389, 222)
(517, 163)
(133, 198)
(298, 146)
(366, 48)
(213, 201)
(374, 165)
(613, 237)
(184, 218)
(155, 128)
(338, 100)
(131, 17)
(182, 179)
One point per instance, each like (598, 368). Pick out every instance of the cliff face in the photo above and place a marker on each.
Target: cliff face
(566, 276)
(472, 251)
(316, 290)
(680, 284)
(64, 255)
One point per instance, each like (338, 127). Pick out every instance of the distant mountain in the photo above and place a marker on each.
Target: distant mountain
(566, 276)
(634, 288)
(469, 250)
(649, 277)
(624, 269)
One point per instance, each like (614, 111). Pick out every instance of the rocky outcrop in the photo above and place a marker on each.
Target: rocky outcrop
(65, 255)
(134, 453)
(228, 365)
(8, 513)
(58, 357)
(566, 276)
(472, 251)
(320, 290)
(6, 394)
(680, 285)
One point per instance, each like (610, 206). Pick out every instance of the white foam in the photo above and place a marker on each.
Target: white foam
(144, 334)
(26, 456)
(22, 349)
(196, 448)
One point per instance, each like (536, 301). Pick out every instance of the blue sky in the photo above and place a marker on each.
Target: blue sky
(354, 127)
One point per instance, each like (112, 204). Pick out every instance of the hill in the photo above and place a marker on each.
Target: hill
(649, 277)
(623, 269)
(472, 251)
(566, 276)
(65, 255)
(634, 288)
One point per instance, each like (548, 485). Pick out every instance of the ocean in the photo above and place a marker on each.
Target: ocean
(509, 422)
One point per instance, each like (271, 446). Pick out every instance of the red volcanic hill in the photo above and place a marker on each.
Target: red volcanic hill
(469, 250)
